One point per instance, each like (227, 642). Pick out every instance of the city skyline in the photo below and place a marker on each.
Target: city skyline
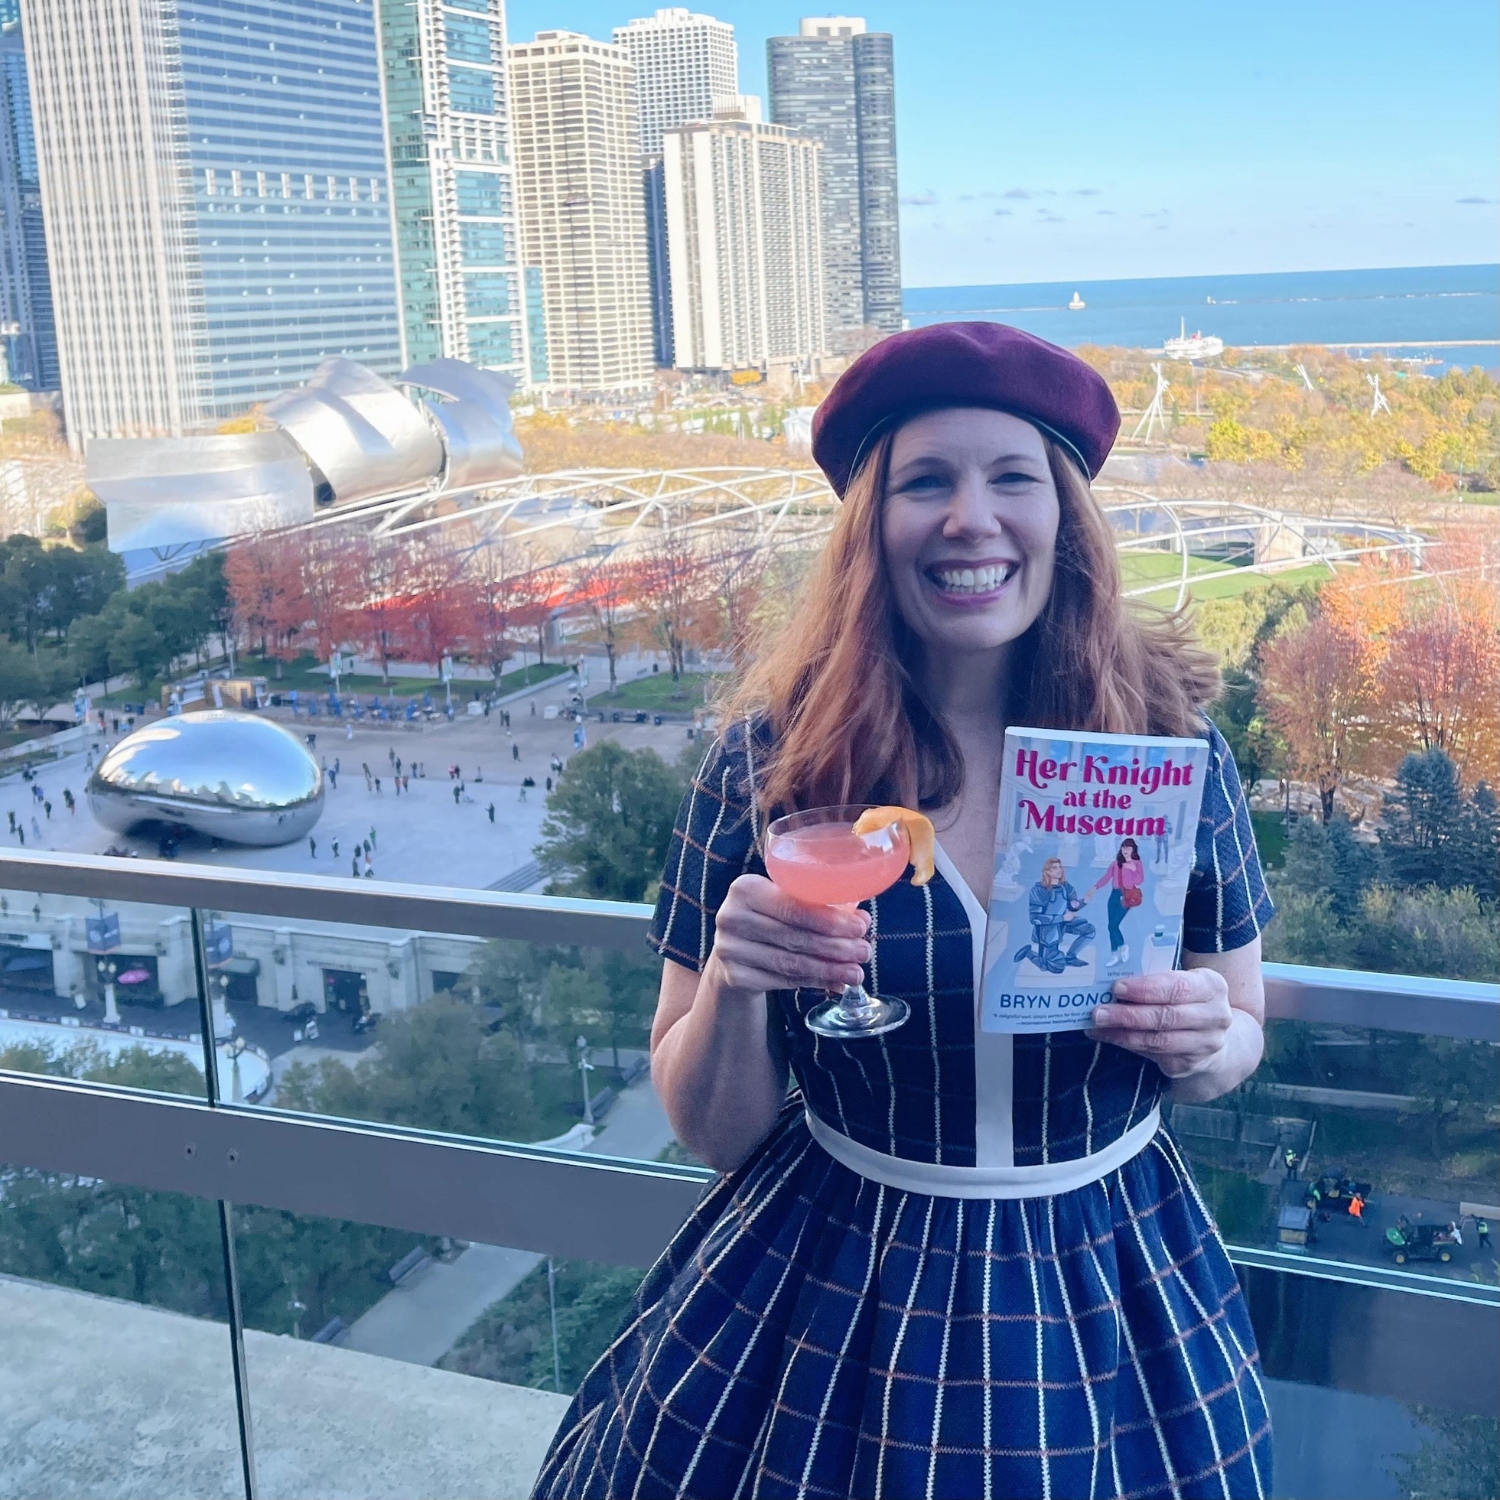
(1328, 137)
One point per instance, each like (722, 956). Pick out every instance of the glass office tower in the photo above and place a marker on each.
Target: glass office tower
(461, 285)
(27, 334)
(217, 195)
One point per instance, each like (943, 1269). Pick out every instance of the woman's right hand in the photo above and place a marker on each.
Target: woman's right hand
(767, 940)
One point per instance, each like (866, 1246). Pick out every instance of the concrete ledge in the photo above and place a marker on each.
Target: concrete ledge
(101, 1397)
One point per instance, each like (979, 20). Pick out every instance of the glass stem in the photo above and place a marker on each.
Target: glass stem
(857, 1001)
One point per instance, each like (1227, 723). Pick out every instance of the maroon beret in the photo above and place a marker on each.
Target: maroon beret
(963, 364)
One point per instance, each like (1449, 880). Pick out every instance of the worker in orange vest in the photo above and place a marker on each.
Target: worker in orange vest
(1357, 1208)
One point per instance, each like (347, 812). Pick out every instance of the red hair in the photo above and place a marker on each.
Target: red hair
(840, 688)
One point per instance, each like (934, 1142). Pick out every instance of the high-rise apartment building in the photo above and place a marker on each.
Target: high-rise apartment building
(744, 242)
(684, 61)
(462, 287)
(576, 127)
(215, 185)
(27, 335)
(837, 82)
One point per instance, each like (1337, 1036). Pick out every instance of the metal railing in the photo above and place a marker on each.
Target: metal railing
(556, 1202)
(521, 1195)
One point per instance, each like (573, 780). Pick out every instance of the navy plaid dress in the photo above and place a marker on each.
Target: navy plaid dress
(812, 1332)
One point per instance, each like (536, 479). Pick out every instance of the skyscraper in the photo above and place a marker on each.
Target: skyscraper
(578, 187)
(216, 193)
(744, 242)
(457, 245)
(837, 82)
(684, 61)
(25, 287)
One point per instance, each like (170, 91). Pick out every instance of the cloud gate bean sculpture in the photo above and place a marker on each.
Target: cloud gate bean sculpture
(230, 776)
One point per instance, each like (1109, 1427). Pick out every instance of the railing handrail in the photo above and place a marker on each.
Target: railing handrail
(1462, 1008)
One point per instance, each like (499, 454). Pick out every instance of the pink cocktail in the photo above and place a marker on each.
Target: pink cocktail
(817, 857)
(830, 864)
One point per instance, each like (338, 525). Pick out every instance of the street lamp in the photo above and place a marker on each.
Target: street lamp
(585, 1067)
(236, 1049)
(108, 968)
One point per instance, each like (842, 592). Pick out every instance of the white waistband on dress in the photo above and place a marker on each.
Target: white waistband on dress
(936, 1180)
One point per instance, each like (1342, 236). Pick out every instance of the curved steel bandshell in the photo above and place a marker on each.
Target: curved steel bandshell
(476, 421)
(359, 431)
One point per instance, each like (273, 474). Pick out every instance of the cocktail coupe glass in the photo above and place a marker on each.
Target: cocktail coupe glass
(816, 856)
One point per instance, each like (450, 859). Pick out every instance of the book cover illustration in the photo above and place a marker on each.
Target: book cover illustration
(1093, 851)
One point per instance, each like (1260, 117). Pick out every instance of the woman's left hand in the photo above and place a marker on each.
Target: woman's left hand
(1181, 1020)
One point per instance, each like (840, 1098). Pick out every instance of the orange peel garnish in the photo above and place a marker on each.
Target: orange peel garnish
(919, 835)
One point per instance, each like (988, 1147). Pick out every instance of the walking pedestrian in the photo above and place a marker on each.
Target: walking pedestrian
(491, 810)
(354, 865)
(391, 754)
(533, 708)
(549, 786)
(1482, 1235)
(335, 848)
(369, 868)
(373, 843)
(69, 802)
(377, 786)
(515, 752)
(333, 778)
(1290, 1158)
(455, 796)
(21, 833)
(349, 731)
(312, 847)
(12, 821)
(36, 828)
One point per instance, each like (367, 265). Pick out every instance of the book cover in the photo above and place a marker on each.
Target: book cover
(1093, 851)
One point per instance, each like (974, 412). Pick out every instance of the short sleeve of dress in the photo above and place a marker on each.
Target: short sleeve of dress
(1227, 901)
(713, 842)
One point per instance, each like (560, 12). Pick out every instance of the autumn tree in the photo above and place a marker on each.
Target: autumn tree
(267, 591)
(669, 588)
(377, 609)
(732, 573)
(1317, 688)
(600, 587)
(1439, 688)
(433, 615)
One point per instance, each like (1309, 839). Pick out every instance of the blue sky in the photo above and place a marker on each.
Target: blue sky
(1084, 139)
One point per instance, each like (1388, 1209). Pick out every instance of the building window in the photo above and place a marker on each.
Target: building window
(491, 344)
(482, 193)
(483, 244)
(471, 91)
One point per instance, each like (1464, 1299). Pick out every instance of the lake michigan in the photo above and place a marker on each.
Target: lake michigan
(1425, 307)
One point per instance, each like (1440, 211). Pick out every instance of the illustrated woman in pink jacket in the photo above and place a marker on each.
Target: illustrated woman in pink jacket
(1126, 875)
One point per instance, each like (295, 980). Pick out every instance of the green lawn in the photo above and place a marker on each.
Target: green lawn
(656, 693)
(1137, 568)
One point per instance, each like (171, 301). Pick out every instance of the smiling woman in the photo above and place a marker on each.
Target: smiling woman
(956, 1261)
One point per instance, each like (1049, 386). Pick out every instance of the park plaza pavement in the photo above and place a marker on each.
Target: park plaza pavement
(422, 837)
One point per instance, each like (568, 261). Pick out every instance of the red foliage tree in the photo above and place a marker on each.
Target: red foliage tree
(267, 592)
(1317, 689)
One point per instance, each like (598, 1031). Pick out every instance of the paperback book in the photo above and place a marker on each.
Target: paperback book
(1093, 851)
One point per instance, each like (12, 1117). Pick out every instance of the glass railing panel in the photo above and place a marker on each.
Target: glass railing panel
(1376, 1148)
(492, 1038)
(1330, 1444)
(107, 991)
(115, 1365)
(384, 1362)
